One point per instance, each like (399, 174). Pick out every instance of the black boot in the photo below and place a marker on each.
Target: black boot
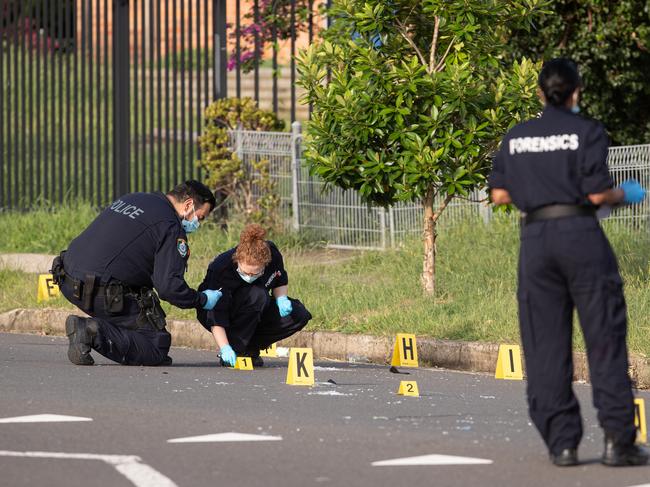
(566, 458)
(255, 358)
(621, 455)
(81, 333)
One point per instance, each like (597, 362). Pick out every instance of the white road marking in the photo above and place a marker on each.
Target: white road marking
(431, 460)
(327, 393)
(332, 369)
(140, 474)
(643, 485)
(44, 418)
(224, 437)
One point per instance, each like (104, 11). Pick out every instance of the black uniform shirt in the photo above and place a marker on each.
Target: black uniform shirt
(140, 241)
(222, 274)
(558, 158)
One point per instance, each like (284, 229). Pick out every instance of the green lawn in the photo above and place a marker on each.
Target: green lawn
(369, 292)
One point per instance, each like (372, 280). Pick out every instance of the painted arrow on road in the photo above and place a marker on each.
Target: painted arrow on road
(44, 418)
(431, 460)
(224, 437)
(140, 474)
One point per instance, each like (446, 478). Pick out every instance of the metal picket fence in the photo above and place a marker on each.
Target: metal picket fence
(342, 220)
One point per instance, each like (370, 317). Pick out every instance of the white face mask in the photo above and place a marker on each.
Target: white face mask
(248, 278)
(191, 225)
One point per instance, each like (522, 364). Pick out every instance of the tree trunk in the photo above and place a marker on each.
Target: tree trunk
(429, 236)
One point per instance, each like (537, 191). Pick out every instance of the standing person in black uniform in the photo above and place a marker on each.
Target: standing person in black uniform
(246, 319)
(110, 271)
(554, 169)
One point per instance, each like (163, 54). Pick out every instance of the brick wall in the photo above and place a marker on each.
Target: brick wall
(172, 22)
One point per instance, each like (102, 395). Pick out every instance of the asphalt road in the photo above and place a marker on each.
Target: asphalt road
(330, 433)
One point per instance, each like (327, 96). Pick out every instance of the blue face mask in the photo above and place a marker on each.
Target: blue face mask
(247, 278)
(575, 108)
(191, 225)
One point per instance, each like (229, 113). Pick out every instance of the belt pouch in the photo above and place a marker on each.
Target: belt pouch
(88, 288)
(114, 297)
(77, 288)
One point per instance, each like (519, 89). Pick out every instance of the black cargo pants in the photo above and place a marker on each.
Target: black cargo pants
(120, 339)
(255, 321)
(566, 263)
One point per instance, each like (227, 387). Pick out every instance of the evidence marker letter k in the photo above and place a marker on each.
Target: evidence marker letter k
(300, 358)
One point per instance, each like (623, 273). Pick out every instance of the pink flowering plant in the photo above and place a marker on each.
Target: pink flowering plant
(271, 25)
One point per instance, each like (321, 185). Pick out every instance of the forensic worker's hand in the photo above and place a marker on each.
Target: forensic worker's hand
(213, 296)
(228, 355)
(633, 192)
(284, 305)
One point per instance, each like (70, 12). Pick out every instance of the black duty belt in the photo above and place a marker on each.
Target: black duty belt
(86, 289)
(552, 212)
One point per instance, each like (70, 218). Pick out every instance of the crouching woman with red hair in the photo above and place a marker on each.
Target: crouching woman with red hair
(254, 310)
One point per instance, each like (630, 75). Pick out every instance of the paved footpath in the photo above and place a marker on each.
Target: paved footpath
(329, 434)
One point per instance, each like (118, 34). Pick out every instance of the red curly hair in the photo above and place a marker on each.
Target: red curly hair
(253, 249)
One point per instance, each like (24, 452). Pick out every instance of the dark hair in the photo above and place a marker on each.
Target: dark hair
(199, 193)
(558, 79)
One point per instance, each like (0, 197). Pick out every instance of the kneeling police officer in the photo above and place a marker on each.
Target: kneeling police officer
(110, 271)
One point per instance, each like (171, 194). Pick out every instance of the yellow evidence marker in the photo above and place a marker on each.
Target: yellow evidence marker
(405, 351)
(244, 363)
(270, 351)
(408, 388)
(639, 421)
(509, 363)
(46, 288)
(301, 367)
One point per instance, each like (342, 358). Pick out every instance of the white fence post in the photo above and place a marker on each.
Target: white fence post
(483, 208)
(239, 142)
(382, 227)
(391, 226)
(296, 139)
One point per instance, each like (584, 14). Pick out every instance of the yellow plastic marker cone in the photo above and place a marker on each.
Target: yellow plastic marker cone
(46, 288)
(244, 363)
(301, 367)
(405, 351)
(408, 388)
(639, 421)
(270, 351)
(509, 363)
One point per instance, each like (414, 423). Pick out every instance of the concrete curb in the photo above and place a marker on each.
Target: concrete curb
(456, 355)
(30, 263)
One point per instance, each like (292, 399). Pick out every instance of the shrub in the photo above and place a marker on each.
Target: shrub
(244, 186)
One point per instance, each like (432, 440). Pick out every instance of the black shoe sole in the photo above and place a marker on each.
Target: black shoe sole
(568, 458)
(77, 353)
(625, 463)
(565, 463)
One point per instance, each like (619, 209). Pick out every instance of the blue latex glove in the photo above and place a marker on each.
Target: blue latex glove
(284, 305)
(634, 192)
(228, 355)
(213, 296)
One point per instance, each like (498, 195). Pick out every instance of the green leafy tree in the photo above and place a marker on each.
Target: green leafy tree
(248, 188)
(411, 98)
(610, 41)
